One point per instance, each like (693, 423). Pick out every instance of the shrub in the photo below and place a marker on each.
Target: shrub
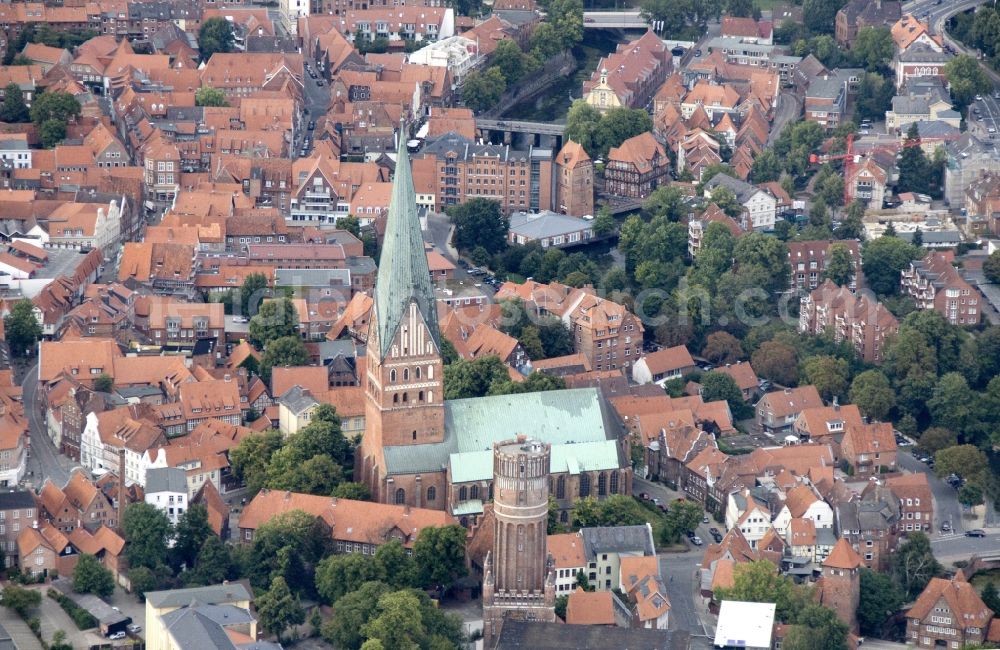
(81, 617)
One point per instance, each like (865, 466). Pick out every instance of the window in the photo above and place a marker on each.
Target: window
(602, 484)
(400, 496)
(614, 482)
(585, 485)
(431, 493)
(561, 487)
(463, 493)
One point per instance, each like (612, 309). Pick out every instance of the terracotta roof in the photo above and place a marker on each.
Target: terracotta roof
(961, 597)
(590, 608)
(742, 374)
(80, 491)
(354, 521)
(571, 155)
(218, 511)
(205, 399)
(724, 575)
(639, 151)
(313, 378)
(792, 400)
(634, 568)
(87, 357)
(349, 401)
(799, 498)
(873, 438)
(815, 421)
(843, 556)
(802, 532)
(669, 359)
(567, 550)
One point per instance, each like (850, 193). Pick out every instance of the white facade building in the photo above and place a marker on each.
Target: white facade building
(166, 490)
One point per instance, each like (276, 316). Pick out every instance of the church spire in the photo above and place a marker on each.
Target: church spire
(403, 274)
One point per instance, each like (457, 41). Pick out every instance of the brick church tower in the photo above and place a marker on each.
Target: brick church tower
(841, 590)
(518, 575)
(404, 383)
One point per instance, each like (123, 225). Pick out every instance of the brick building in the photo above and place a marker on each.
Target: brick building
(574, 171)
(948, 614)
(934, 283)
(858, 318)
(636, 167)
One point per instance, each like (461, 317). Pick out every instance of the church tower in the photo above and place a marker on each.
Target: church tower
(841, 587)
(403, 384)
(519, 575)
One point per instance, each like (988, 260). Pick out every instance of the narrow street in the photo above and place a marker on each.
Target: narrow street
(44, 461)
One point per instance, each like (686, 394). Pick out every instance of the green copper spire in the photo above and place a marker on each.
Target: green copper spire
(403, 275)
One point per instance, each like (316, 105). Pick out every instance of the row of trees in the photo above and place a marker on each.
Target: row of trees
(981, 30)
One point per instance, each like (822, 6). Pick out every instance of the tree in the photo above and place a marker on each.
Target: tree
(991, 267)
(479, 222)
(191, 533)
(483, 90)
(214, 563)
(104, 383)
(666, 201)
(915, 173)
(722, 347)
(966, 79)
(884, 259)
(615, 510)
(339, 575)
(880, 598)
(146, 530)
(511, 60)
(275, 319)
(819, 15)
(250, 458)
(952, 404)
(473, 378)
(682, 517)
(766, 167)
(536, 382)
(760, 582)
(618, 125)
(914, 564)
(767, 253)
(581, 125)
(683, 20)
(918, 238)
(351, 224)
(21, 600)
(720, 386)
(59, 641)
(817, 628)
(278, 609)
(398, 622)
(141, 579)
(440, 555)
(208, 96)
(287, 351)
(935, 439)
(990, 596)
(776, 361)
(215, 35)
(57, 105)
(873, 48)
(90, 577)
(840, 268)
(353, 611)
(566, 17)
(289, 545)
(604, 223)
(967, 461)
(22, 329)
(254, 290)
(51, 132)
(874, 97)
(13, 108)
(354, 491)
(829, 374)
(873, 394)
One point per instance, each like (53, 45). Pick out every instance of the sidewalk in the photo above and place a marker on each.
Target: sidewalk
(19, 631)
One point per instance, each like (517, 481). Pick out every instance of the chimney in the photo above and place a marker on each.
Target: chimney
(836, 403)
(121, 485)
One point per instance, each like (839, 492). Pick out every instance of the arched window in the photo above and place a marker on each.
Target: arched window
(420, 396)
(400, 496)
(614, 482)
(474, 492)
(584, 485)
(395, 398)
(491, 491)
(392, 375)
(406, 374)
(463, 493)
(431, 493)
(564, 517)
(417, 370)
(405, 398)
(602, 484)
(414, 434)
(561, 487)
(430, 372)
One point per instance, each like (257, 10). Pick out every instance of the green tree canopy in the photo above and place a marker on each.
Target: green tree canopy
(829, 374)
(439, 553)
(57, 105)
(483, 90)
(760, 582)
(289, 545)
(253, 291)
(817, 628)
(880, 599)
(966, 79)
(873, 394)
(278, 609)
(21, 600)
(882, 261)
(21, 329)
(90, 577)
(275, 319)
(250, 458)
(215, 35)
(285, 351)
(776, 361)
(840, 268)
(190, 534)
(479, 222)
(147, 530)
(873, 48)
(208, 96)
(13, 108)
(913, 564)
(991, 267)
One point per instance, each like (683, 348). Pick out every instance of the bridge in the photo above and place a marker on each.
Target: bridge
(631, 19)
(515, 126)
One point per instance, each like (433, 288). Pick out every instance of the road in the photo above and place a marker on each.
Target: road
(44, 462)
(787, 110)
(316, 103)
(946, 505)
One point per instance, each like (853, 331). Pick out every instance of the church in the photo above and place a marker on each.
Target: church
(423, 451)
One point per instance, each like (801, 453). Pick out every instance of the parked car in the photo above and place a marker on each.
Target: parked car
(704, 519)
(134, 629)
(644, 496)
(975, 532)
(717, 537)
(713, 530)
(946, 527)
(116, 636)
(696, 540)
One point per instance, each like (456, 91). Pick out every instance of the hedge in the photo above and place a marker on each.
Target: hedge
(83, 619)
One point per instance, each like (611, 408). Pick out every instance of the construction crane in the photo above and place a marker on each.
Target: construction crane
(852, 157)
